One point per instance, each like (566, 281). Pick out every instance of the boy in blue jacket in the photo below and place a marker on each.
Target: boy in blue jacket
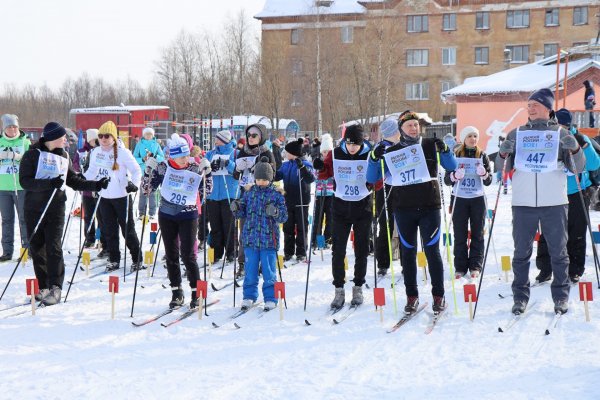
(263, 209)
(297, 175)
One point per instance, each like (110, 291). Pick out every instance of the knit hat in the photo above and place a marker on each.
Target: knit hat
(224, 136)
(354, 134)
(52, 131)
(295, 147)
(564, 117)
(178, 147)
(263, 170)
(9, 120)
(260, 129)
(241, 141)
(406, 116)
(326, 142)
(389, 128)
(91, 135)
(110, 128)
(148, 130)
(468, 130)
(544, 97)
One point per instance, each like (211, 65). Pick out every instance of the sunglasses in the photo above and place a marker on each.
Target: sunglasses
(253, 135)
(104, 135)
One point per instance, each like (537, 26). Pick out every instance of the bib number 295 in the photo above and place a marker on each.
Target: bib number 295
(178, 199)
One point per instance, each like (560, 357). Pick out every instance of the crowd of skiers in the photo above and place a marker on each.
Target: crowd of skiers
(361, 189)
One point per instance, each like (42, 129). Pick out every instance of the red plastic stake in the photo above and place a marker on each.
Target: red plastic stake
(280, 294)
(153, 226)
(470, 297)
(379, 299)
(201, 289)
(113, 288)
(585, 295)
(33, 288)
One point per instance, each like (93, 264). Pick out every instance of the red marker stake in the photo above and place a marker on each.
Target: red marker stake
(280, 294)
(470, 297)
(379, 299)
(201, 287)
(33, 288)
(113, 288)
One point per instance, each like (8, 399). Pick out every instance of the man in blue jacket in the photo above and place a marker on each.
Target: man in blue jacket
(147, 147)
(225, 190)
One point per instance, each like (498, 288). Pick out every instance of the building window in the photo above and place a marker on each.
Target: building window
(297, 67)
(449, 56)
(417, 58)
(295, 36)
(449, 23)
(519, 54)
(550, 49)
(575, 44)
(517, 19)
(552, 17)
(417, 91)
(482, 55)
(580, 15)
(347, 34)
(446, 85)
(482, 20)
(418, 23)
(296, 98)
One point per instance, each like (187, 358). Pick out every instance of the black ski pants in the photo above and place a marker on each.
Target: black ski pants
(113, 215)
(468, 212)
(221, 228)
(89, 203)
(382, 250)
(342, 224)
(295, 230)
(179, 238)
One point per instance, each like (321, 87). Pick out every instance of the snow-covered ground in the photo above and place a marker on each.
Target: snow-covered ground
(74, 350)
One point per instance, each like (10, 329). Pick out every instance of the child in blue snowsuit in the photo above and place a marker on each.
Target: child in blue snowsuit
(263, 209)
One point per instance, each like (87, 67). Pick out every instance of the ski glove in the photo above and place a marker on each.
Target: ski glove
(318, 164)
(569, 143)
(481, 170)
(204, 166)
(271, 211)
(299, 163)
(57, 182)
(580, 140)
(507, 147)
(131, 187)
(151, 164)
(235, 206)
(378, 152)
(440, 145)
(102, 183)
(215, 165)
(223, 162)
(241, 164)
(457, 175)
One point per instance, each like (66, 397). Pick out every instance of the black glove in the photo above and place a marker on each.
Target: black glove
(235, 206)
(440, 145)
(318, 164)
(131, 187)
(215, 165)
(378, 152)
(223, 162)
(580, 140)
(271, 211)
(299, 163)
(57, 182)
(102, 183)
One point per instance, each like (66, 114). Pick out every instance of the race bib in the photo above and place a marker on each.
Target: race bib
(350, 179)
(180, 187)
(536, 151)
(247, 177)
(470, 186)
(9, 167)
(101, 163)
(50, 166)
(407, 166)
(221, 171)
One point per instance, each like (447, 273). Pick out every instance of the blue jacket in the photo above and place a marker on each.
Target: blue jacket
(261, 231)
(592, 163)
(144, 147)
(289, 174)
(224, 186)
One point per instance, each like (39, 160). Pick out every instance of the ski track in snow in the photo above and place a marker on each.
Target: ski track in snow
(75, 350)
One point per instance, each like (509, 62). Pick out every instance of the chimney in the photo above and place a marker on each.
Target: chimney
(539, 56)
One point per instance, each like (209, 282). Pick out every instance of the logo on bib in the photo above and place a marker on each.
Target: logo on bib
(359, 168)
(414, 151)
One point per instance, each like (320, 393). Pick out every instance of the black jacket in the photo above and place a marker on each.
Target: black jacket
(38, 191)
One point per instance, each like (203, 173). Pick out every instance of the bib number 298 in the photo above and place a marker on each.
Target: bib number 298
(177, 198)
(351, 190)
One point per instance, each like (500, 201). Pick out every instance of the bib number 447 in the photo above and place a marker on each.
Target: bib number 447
(536, 158)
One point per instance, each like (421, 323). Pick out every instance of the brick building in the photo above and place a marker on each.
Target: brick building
(383, 56)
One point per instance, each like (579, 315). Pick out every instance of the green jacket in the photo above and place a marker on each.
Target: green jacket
(8, 175)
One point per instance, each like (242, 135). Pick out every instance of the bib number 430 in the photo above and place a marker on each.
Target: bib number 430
(536, 158)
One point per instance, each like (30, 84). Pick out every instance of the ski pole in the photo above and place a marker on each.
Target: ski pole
(125, 235)
(389, 237)
(203, 207)
(81, 250)
(139, 260)
(29, 241)
(66, 230)
(311, 244)
(487, 247)
(302, 210)
(279, 267)
(230, 233)
(447, 237)
(157, 250)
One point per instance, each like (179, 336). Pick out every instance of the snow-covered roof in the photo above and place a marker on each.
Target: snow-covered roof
(380, 118)
(115, 109)
(293, 8)
(526, 78)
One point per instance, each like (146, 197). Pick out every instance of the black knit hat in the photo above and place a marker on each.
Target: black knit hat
(354, 134)
(263, 170)
(53, 131)
(544, 97)
(564, 117)
(295, 147)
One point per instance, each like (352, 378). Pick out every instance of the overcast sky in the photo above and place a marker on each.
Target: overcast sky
(47, 41)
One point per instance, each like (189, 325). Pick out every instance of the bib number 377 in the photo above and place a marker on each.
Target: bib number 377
(407, 176)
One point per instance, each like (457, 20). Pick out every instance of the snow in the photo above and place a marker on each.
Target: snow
(74, 350)
(286, 8)
(115, 109)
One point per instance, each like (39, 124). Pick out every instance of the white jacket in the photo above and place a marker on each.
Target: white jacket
(129, 170)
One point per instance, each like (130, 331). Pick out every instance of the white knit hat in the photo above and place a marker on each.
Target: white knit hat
(148, 130)
(468, 130)
(91, 134)
(326, 142)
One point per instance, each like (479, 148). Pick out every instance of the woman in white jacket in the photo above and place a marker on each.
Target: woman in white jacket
(116, 162)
